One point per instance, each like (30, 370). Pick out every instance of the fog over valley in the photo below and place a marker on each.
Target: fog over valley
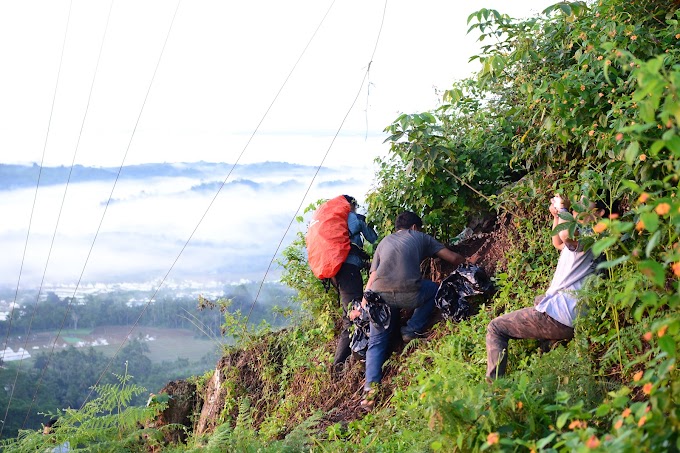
(152, 212)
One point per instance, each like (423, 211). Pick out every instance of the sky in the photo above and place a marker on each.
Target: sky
(212, 87)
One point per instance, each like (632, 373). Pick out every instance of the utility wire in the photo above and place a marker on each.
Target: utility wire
(68, 307)
(146, 306)
(361, 87)
(30, 221)
(101, 221)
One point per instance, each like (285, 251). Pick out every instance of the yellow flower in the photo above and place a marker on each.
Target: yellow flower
(583, 88)
(519, 405)
(637, 376)
(633, 38)
(600, 227)
(625, 413)
(647, 388)
(578, 424)
(662, 331)
(647, 336)
(644, 196)
(643, 157)
(662, 208)
(676, 268)
(618, 424)
(619, 137)
(640, 225)
(593, 442)
(492, 438)
(642, 421)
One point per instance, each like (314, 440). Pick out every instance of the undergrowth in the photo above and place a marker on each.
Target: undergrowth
(583, 99)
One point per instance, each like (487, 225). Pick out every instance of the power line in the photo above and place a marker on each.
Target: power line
(30, 221)
(361, 87)
(200, 221)
(101, 221)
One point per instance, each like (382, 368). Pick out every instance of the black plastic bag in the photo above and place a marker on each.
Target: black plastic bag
(455, 291)
(376, 312)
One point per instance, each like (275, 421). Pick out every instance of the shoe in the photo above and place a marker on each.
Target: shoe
(368, 401)
(407, 335)
(337, 371)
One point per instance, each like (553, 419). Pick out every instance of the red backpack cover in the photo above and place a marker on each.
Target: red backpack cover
(328, 237)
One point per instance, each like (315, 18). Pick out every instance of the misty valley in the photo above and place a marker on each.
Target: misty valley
(56, 348)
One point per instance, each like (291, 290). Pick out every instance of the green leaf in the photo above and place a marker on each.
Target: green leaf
(648, 299)
(653, 241)
(656, 147)
(667, 345)
(654, 271)
(603, 244)
(562, 420)
(631, 185)
(566, 9)
(651, 221)
(604, 409)
(560, 227)
(545, 441)
(674, 145)
(613, 263)
(632, 152)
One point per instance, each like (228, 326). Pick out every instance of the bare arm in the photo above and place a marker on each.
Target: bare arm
(451, 256)
(354, 313)
(562, 238)
(371, 278)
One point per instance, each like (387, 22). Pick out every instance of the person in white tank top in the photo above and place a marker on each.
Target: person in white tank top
(553, 314)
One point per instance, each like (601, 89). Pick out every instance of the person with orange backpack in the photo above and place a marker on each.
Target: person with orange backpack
(335, 240)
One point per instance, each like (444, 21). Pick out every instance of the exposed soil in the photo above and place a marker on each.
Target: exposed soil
(240, 373)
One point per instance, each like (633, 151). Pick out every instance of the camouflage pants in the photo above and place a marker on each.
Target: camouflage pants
(524, 323)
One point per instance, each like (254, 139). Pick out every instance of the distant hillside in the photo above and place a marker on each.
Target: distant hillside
(22, 176)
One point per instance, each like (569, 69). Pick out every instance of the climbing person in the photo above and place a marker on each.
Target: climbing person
(395, 277)
(335, 242)
(552, 316)
(348, 280)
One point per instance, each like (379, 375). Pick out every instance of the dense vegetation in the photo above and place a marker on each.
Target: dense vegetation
(65, 378)
(123, 308)
(66, 375)
(582, 98)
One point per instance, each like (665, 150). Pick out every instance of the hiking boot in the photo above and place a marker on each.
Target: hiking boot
(337, 371)
(407, 335)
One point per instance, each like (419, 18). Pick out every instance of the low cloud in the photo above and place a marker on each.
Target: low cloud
(151, 221)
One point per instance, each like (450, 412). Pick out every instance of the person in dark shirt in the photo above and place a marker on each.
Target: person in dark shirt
(395, 276)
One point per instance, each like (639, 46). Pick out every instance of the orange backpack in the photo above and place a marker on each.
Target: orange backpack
(328, 237)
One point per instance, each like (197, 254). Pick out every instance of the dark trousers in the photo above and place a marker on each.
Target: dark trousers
(350, 286)
(524, 323)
